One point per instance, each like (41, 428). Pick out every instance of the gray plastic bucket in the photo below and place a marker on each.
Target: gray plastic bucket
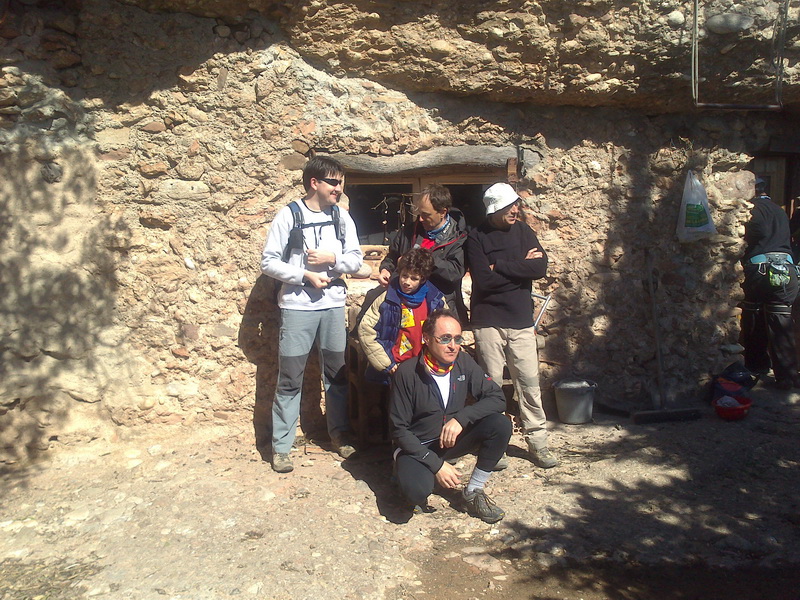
(574, 400)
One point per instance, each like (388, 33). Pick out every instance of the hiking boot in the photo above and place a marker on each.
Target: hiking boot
(501, 464)
(479, 505)
(343, 444)
(281, 463)
(542, 457)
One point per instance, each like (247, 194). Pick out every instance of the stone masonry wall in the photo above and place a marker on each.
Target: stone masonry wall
(142, 157)
(549, 52)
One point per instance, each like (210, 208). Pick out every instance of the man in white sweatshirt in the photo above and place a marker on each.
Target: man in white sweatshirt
(310, 244)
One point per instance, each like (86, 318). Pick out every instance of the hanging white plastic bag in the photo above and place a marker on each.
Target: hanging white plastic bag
(694, 218)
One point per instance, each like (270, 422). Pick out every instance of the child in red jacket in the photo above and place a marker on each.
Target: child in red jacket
(391, 327)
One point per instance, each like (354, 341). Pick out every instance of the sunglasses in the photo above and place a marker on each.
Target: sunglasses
(329, 181)
(447, 338)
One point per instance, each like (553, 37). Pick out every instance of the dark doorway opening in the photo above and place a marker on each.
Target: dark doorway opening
(376, 209)
(469, 200)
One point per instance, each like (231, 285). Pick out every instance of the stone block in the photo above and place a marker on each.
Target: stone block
(731, 22)
(154, 127)
(177, 189)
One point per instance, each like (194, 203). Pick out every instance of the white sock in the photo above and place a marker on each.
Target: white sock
(478, 480)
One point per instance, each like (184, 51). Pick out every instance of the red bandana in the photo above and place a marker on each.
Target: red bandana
(434, 365)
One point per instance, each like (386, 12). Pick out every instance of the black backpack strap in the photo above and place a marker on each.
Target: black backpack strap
(296, 232)
(338, 224)
(297, 214)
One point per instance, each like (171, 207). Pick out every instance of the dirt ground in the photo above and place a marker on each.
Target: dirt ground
(687, 510)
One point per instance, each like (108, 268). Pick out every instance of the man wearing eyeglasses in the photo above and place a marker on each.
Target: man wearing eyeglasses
(442, 230)
(504, 257)
(308, 252)
(432, 422)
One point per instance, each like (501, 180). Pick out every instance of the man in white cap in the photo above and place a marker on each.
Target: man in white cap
(504, 257)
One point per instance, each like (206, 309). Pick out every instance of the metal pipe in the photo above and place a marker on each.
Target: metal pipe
(541, 310)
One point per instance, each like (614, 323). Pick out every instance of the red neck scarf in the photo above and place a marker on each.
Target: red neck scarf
(434, 365)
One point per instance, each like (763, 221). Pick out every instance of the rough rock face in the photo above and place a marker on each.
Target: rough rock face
(591, 53)
(142, 156)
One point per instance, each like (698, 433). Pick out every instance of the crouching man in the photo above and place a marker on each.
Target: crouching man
(432, 422)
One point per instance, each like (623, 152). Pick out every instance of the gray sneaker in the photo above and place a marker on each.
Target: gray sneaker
(281, 463)
(479, 505)
(344, 445)
(502, 464)
(542, 457)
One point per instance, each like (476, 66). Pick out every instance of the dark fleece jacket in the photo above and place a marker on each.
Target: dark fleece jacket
(417, 412)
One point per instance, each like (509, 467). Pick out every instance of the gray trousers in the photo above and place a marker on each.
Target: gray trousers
(497, 347)
(299, 329)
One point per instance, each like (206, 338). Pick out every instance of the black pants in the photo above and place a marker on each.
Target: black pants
(767, 330)
(490, 435)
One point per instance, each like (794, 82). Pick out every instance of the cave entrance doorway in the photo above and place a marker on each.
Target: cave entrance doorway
(781, 173)
(378, 204)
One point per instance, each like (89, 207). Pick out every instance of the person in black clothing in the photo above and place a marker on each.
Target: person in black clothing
(794, 226)
(440, 228)
(770, 287)
(504, 256)
(432, 422)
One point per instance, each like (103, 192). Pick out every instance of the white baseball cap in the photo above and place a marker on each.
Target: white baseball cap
(498, 196)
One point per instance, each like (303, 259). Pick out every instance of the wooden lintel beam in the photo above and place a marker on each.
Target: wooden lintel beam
(477, 157)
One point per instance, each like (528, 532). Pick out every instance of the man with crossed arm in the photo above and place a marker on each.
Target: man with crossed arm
(504, 257)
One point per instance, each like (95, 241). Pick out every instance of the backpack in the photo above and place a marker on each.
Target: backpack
(296, 234)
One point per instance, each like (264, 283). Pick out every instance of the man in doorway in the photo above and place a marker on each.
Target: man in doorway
(310, 244)
(770, 287)
(432, 421)
(442, 230)
(504, 257)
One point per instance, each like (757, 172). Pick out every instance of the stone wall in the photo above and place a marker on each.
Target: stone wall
(142, 157)
(593, 53)
(588, 53)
